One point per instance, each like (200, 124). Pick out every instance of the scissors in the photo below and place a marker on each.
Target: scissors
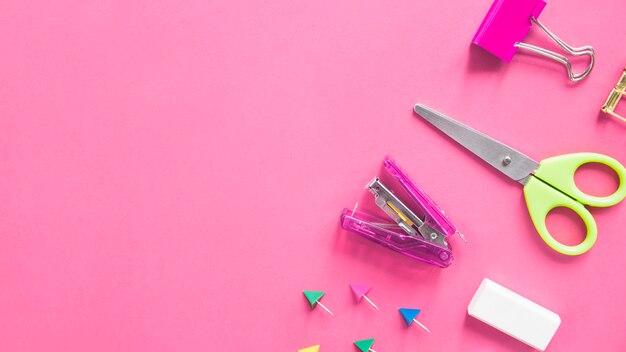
(547, 185)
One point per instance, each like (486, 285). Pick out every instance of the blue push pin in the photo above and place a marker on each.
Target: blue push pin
(409, 316)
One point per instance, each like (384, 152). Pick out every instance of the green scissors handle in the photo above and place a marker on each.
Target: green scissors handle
(553, 186)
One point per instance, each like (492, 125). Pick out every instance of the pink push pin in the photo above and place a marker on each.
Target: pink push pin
(359, 292)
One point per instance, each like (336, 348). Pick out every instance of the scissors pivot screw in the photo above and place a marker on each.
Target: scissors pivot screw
(506, 161)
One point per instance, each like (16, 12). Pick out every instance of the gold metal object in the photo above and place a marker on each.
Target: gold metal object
(400, 214)
(615, 97)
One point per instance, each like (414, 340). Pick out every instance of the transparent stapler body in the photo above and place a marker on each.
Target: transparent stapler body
(422, 237)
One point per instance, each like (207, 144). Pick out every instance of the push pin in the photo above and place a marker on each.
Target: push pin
(614, 98)
(365, 345)
(359, 292)
(314, 298)
(409, 316)
(315, 348)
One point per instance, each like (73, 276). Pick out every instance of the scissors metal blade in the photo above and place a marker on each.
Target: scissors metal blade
(504, 158)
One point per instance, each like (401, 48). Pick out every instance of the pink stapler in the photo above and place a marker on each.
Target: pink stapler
(507, 23)
(420, 232)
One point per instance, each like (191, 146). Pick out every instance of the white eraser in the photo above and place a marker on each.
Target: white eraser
(514, 315)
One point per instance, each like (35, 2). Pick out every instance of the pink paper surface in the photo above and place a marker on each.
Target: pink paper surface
(172, 173)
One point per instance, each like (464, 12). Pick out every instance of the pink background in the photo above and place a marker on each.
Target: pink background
(172, 173)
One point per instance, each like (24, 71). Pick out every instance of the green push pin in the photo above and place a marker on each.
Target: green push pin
(314, 299)
(365, 345)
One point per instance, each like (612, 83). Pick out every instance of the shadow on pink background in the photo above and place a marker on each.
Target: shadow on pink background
(172, 174)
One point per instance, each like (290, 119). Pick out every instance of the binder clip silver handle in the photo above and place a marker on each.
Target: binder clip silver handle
(583, 50)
